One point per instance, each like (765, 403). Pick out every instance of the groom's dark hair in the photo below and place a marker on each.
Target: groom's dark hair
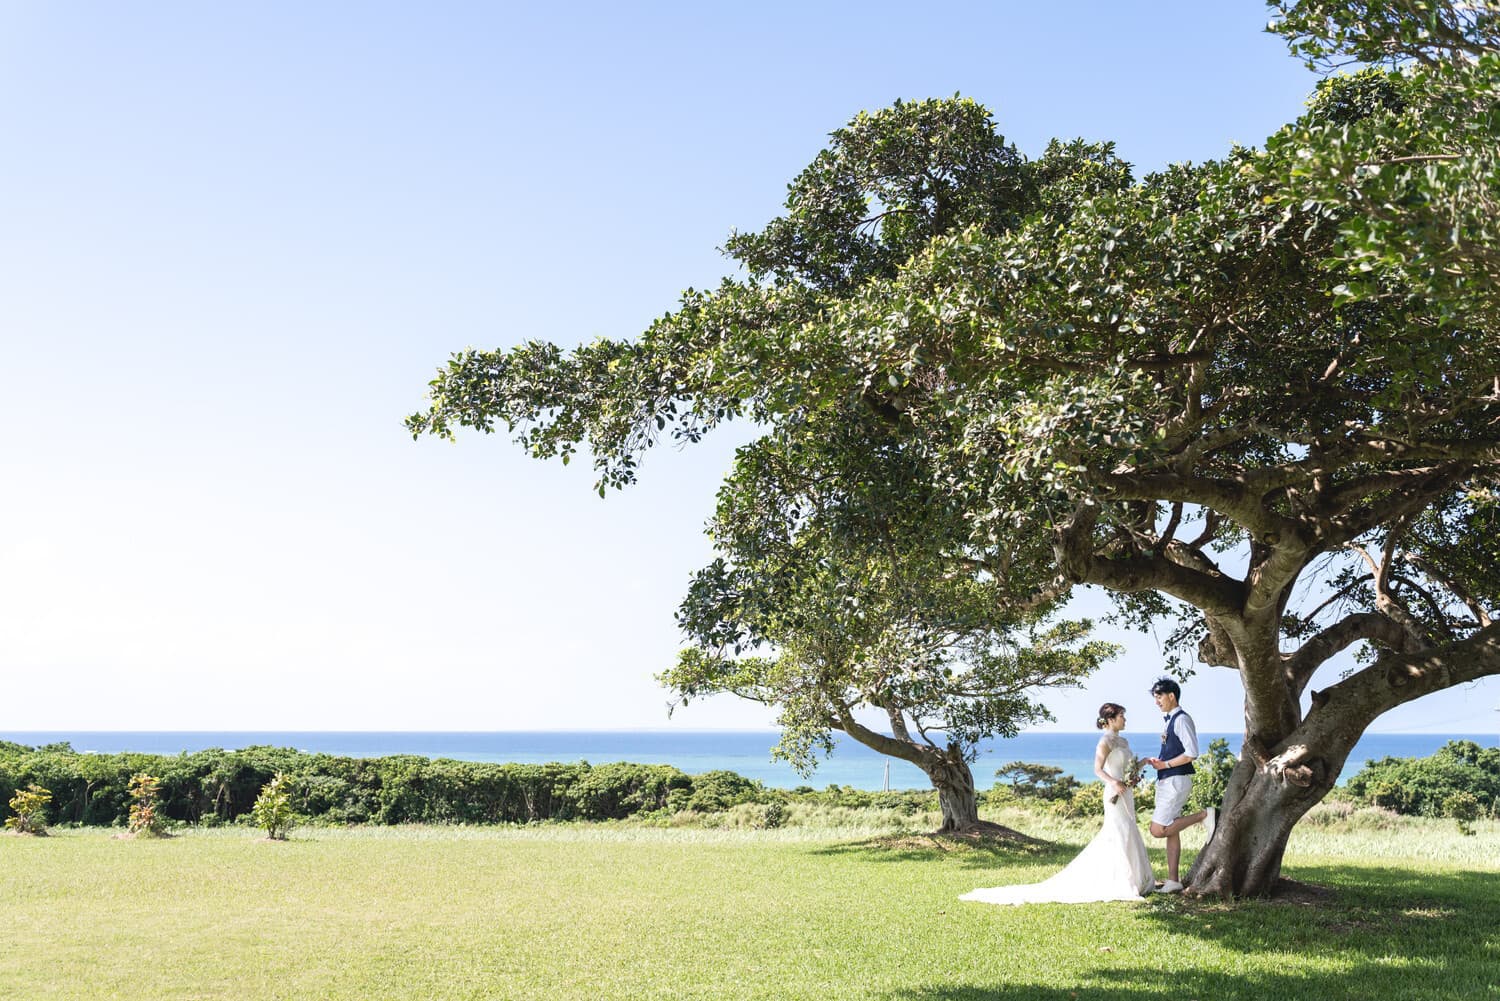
(1164, 685)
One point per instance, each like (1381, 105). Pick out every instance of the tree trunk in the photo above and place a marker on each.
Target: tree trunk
(954, 782)
(1267, 795)
(945, 768)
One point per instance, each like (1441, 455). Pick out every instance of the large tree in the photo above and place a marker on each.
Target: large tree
(1258, 397)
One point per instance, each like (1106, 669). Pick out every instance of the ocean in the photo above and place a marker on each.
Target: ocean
(744, 751)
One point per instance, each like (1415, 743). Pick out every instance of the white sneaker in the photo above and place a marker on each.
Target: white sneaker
(1210, 824)
(1170, 886)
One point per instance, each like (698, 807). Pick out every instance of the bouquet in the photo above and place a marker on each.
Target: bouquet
(1132, 777)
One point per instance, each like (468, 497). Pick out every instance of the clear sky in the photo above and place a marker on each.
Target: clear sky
(237, 239)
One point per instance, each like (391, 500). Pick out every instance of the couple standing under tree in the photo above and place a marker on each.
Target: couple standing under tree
(1114, 866)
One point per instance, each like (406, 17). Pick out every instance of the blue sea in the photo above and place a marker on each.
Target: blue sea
(744, 751)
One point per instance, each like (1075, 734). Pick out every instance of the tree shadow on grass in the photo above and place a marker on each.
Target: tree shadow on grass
(968, 853)
(1380, 911)
(1462, 981)
(1382, 933)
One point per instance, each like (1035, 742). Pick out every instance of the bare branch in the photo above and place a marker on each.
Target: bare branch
(1437, 615)
(1340, 593)
(1398, 678)
(1170, 531)
(1214, 593)
(1476, 609)
(1211, 522)
(1300, 666)
(1227, 497)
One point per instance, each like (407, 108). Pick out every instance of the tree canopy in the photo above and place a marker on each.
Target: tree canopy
(1257, 397)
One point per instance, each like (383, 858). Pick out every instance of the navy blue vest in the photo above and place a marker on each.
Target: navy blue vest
(1171, 747)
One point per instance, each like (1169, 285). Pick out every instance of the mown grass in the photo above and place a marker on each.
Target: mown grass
(604, 911)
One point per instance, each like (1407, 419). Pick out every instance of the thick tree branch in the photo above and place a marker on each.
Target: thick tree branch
(1403, 502)
(1274, 569)
(1398, 678)
(1217, 649)
(898, 723)
(1227, 497)
(1346, 495)
(1213, 593)
(1390, 449)
(1315, 652)
(906, 750)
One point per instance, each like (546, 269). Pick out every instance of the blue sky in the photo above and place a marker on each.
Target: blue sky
(238, 239)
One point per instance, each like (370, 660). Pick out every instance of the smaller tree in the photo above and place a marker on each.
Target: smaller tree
(1464, 808)
(272, 811)
(1038, 781)
(30, 808)
(145, 802)
(836, 601)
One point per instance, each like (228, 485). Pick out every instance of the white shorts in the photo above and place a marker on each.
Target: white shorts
(1171, 795)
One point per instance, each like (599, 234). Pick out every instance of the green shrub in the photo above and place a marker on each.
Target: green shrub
(1421, 786)
(272, 811)
(775, 814)
(616, 791)
(1345, 815)
(716, 791)
(1211, 773)
(30, 808)
(332, 798)
(1464, 808)
(1145, 796)
(1086, 800)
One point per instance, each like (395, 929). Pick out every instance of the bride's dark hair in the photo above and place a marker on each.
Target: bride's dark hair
(1107, 712)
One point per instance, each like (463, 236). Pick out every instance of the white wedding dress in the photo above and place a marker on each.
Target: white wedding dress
(1113, 866)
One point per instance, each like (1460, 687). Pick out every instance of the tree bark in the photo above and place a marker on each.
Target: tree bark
(1270, 790)
(954, 782)
(1243, 858)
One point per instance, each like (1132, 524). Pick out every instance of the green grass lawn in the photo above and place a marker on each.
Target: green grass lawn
(628, 912)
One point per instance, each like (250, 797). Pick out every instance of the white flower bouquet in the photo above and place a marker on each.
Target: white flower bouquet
(1133, 771)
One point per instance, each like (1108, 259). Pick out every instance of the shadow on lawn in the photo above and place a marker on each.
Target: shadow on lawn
(1390, 933)
(976, 853)
(1162, 984)
(1376, 912)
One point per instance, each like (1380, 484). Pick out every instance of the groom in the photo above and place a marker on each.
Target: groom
(1174, 779)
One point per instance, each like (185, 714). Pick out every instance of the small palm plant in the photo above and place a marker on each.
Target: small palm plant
(146, 820)
(272, 811)
(30, 808)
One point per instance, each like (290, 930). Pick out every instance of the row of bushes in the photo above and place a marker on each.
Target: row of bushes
(1460, 780)
(217, 786)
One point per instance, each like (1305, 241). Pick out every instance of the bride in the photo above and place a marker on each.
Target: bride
(1114, 866)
